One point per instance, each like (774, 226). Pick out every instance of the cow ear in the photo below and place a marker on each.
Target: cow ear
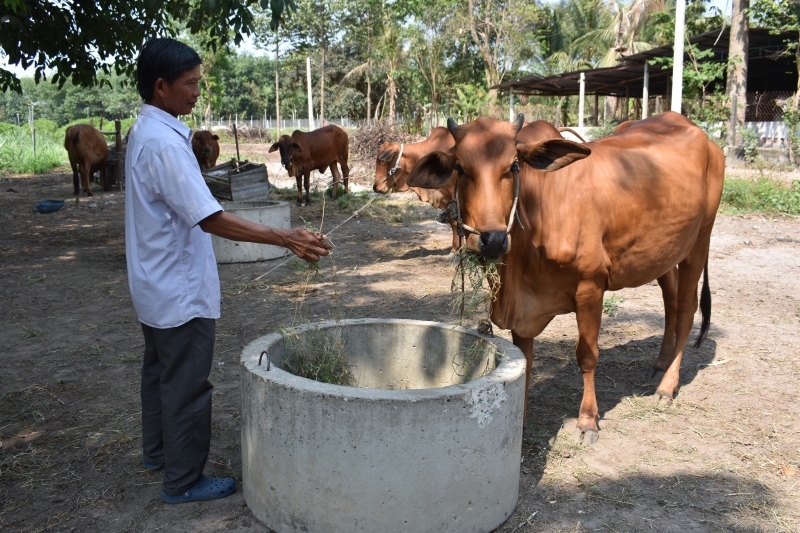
(432, 171)
(387, 156)
(273, 147)
(215, 137)
(552, 154)
(296, 147)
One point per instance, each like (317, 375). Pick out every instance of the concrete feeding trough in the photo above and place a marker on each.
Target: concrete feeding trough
(429, 439)
(270, 213)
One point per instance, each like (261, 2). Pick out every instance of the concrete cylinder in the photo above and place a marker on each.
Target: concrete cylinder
(270, 213)
(429, 440)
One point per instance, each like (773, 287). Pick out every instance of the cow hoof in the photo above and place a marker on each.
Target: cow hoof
(663, 398)
(585, 437)
(89, 193)
(299, 203)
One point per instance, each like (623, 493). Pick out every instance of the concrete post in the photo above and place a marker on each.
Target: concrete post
(581, 99)
(511, 105)
(645, 91)
(310, 100)
(677, 67)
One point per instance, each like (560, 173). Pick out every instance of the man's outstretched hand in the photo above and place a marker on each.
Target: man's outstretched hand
(306, 244)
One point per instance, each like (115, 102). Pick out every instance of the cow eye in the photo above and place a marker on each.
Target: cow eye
(458, 168)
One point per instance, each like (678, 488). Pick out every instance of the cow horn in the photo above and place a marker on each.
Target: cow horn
(452, 126)
(519, 122)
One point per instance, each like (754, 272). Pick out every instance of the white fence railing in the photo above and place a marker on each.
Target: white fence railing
(291, 123)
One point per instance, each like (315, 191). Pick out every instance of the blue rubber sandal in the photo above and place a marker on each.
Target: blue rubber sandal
(150, 466)
(207, 488)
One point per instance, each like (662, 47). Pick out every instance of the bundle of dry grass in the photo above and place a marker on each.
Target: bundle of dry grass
(317, 355)
(471, 293)
(367, 140)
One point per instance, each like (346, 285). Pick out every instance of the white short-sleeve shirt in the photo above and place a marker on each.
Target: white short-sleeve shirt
(172, 271)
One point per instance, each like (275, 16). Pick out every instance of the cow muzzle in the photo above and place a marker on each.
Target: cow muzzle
(493, 243)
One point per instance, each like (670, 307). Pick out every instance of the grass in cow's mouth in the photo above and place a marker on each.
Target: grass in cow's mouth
(471, 294)
(317, 355)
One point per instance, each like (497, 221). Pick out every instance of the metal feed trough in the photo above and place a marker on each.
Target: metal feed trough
(239, 181)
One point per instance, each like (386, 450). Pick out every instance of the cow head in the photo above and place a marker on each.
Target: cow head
(288, 148)
(488, 161)
(206, 147)
(389, 174)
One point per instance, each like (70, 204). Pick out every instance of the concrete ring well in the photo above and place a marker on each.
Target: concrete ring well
(423, 443)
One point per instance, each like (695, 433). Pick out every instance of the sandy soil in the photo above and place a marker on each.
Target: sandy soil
(723, 457)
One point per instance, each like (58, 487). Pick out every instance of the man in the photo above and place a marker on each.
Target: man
(172, 273)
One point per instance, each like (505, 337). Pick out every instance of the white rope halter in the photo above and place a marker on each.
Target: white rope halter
(396, 167)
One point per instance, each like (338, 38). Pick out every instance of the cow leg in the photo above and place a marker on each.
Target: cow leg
(456, 241)
(299, 180)
(86, 176)
(337, 178)
(76, 182)
(526, 345)
(588, 312)
(346, 174)
(669, 290)
(689, 272)
(307, 182)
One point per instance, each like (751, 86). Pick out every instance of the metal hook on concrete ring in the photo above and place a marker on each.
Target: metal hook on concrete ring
(260, 357)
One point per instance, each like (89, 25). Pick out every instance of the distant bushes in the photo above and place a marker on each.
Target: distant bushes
(764, 195)
(17, 156)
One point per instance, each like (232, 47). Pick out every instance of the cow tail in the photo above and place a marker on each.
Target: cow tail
(705, 308)
(75, 139)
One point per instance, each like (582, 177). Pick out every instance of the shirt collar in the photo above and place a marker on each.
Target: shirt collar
(162, 116)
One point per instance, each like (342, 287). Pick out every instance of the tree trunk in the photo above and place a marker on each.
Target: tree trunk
(737, 69)
(369, 66)
(392, 90)
(277, 88)
(322, 91)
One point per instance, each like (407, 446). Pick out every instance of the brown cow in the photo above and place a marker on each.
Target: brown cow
(316, 150)
(88, 153)
(619, 212)
(394, 164)
(205, 146)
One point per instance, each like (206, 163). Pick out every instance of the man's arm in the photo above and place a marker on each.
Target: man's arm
(307, 245)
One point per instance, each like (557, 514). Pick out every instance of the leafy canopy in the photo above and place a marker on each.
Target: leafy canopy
(76, 39)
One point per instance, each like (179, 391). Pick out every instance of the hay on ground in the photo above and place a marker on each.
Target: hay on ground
(318, 355)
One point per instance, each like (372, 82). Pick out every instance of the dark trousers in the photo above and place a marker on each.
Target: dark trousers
(176, 400)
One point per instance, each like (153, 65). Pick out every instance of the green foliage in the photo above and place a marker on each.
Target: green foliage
(75, 41)
(791, 117)
(611, 304)
(17, 156)
(764, 195)
(750, 144)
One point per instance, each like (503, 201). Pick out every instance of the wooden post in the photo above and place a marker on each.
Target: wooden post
(236, 140)
(645, 91)
(581, 98)
(120, 166)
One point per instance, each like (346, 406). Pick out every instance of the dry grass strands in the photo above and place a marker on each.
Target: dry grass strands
(471, 293)
(474, 361)
(367, 140)
(317, 355)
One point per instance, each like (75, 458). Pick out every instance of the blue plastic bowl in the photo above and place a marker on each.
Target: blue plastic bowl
(49, 206)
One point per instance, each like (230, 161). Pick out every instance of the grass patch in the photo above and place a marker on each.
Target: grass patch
(316, 354)
(31, 334)
(18, 158)
(764, 195)
(611, 304)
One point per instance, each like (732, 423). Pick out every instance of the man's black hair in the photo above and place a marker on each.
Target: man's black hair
(163, 58)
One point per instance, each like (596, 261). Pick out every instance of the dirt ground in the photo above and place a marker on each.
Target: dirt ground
(723, 457)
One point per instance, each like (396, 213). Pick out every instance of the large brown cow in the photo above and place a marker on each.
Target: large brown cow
(619, 212)
(88, 153)
(394, 164)
(316, 150)
(205, 146)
